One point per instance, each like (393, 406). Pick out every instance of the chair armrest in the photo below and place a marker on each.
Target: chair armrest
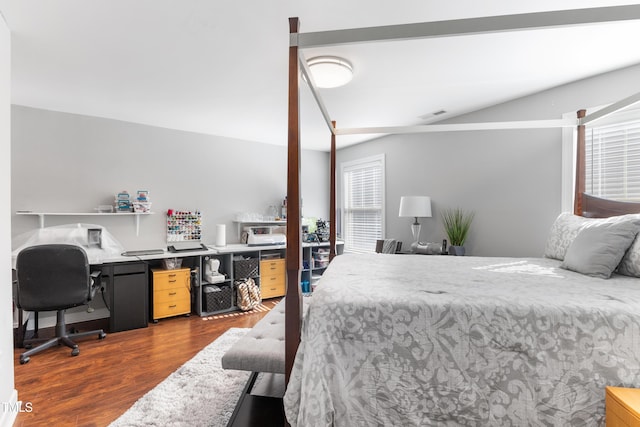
(96, 283)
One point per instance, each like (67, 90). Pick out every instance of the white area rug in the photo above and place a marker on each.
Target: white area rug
(199, 393)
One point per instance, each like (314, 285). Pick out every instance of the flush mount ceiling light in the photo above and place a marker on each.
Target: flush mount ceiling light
(330, 71)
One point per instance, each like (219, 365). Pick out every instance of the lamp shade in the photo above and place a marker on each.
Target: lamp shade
(415, 206)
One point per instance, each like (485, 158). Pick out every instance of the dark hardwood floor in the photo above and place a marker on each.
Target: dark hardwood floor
(109, 375)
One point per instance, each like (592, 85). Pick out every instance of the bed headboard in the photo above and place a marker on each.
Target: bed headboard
(595, 207)
(585, 204)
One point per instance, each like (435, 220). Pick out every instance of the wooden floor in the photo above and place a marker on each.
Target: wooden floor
(109, 375)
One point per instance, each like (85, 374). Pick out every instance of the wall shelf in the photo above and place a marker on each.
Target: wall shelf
(42, 215)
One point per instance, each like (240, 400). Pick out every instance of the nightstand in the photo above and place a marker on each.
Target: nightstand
(622, 407)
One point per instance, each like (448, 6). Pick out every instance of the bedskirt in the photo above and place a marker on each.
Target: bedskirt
(413, 340)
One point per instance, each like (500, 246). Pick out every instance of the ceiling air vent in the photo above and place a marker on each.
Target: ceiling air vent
(430, 115)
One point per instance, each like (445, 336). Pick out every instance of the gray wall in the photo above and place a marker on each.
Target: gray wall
(8, 394)
(510, 178)
(73, 163)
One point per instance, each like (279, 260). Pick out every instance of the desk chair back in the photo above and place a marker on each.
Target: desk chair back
(53, 277)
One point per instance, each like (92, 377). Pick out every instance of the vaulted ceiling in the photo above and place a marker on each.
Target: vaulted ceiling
(220, 67)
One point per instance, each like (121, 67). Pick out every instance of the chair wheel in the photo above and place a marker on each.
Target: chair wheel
(75, 351)
(102, 336)
(24, 359)
(28, 346)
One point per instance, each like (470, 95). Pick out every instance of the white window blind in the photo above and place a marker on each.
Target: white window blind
(612, 154)
(363, 203)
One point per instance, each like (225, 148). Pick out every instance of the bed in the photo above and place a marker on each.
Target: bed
(430, 340)
(501, 341)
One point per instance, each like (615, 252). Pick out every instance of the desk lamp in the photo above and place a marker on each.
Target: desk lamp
(415, 206)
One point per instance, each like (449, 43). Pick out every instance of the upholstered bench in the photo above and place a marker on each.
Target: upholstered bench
(260, 351)
(262, 348)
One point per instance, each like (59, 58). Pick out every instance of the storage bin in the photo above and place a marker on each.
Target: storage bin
(245, 268)
(320, 263)
(171, 263)
(217, 298)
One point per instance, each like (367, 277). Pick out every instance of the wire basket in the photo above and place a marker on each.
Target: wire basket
(217, 298)
(243, 269)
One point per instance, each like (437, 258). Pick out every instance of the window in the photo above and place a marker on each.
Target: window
(612, 154)
(363, 203)
(612, 157)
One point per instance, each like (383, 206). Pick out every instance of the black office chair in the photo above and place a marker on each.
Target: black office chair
(388, 246)
(54, 278)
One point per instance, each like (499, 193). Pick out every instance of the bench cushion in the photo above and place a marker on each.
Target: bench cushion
(262, 348)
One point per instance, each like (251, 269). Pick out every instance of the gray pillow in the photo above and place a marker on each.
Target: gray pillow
(630, 264)
(599, 247)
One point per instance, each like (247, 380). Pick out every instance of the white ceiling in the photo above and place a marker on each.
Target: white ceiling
(220, 67)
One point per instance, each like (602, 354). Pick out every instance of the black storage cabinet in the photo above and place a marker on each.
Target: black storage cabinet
(128, 290)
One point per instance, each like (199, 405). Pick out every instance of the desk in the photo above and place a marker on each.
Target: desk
(126, 283)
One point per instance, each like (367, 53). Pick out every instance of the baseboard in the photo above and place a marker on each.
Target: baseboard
(9, 410)
(47, 319)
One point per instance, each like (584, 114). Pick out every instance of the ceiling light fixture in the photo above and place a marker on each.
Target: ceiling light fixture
(330, 71)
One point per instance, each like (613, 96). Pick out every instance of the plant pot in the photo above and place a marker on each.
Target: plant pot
(456, 250)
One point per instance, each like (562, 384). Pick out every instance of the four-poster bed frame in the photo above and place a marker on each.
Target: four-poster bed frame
(584, 204)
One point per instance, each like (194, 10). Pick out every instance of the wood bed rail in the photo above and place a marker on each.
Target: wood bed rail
(293, 301)
(293, 294)
(580, 167)
(332, 197)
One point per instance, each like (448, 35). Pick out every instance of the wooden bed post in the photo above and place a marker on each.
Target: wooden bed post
(578, 201)
(332, 197)
(293, 300)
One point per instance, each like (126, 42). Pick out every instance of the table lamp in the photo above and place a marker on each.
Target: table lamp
(415, 206)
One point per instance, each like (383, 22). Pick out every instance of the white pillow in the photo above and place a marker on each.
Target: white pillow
(599, 247)
(564, 229)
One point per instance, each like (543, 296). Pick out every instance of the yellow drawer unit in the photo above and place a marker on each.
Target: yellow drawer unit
(622, 407)
(272, 278)
(171, 292)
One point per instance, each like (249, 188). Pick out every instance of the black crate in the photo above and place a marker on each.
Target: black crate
(217, 300)
(245, 268)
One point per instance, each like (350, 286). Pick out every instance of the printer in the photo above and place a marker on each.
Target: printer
(265, 236)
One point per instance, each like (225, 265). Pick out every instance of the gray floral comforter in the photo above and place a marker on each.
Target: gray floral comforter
(418, 340)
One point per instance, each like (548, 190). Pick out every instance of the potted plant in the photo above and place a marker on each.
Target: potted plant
(456, 224)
